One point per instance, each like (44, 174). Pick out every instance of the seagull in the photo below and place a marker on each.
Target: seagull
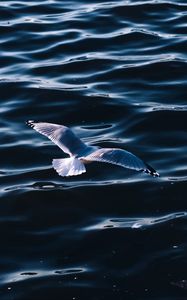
(80, 153)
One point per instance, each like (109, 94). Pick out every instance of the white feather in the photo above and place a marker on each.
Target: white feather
(68, 166)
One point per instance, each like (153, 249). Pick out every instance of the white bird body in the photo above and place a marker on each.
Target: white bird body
(80, 153)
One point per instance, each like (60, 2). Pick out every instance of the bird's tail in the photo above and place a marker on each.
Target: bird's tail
(68, 166)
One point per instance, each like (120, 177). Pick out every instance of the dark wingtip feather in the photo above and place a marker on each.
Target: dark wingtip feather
(151, 171)
(30, 123)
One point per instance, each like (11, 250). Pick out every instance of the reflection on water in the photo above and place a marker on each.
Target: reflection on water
(135, 222)
(15, 277)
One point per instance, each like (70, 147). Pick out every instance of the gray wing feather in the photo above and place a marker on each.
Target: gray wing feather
(122, 158)
(61, 135)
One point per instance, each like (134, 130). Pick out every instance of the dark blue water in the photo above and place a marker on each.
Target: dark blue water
(116, 73)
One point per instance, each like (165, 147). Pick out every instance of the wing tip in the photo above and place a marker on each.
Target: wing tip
(151, 171)
(30, 123)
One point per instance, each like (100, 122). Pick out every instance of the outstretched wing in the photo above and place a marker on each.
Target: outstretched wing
(61, 135)
(122, 158)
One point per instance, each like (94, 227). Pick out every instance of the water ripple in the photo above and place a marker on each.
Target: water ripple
(29, 275)
(135, 222)
(114, 72)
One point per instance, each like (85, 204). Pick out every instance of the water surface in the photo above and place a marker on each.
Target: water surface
(115, 72)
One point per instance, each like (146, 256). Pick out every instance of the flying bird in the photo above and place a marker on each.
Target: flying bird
(80, 153)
